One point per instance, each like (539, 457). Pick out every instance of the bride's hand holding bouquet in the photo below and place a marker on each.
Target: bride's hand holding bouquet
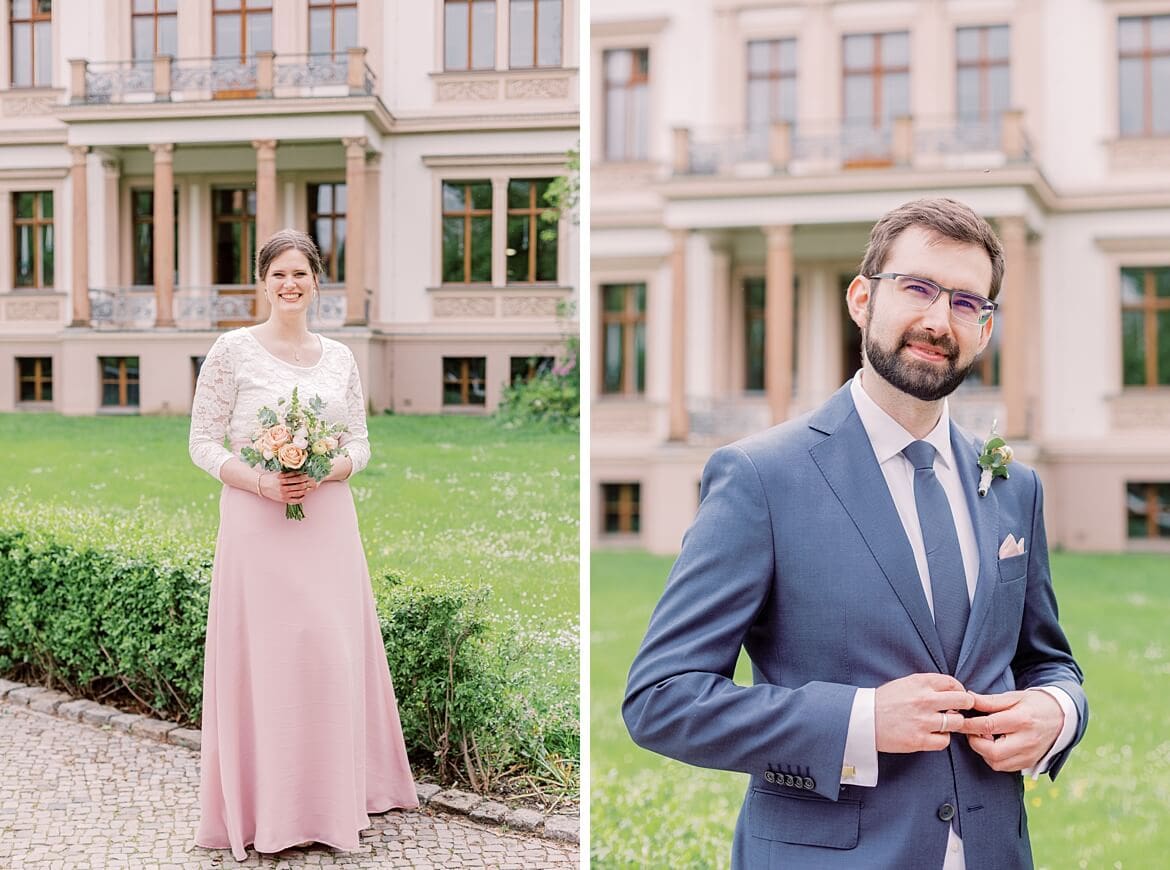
(298, 444)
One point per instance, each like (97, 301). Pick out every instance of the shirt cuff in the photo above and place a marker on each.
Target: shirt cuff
(860, 763)
(1064, 738)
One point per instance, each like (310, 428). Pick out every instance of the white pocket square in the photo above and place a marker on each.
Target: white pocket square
(1011, 547)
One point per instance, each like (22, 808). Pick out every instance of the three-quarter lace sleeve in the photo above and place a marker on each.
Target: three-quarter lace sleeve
(357, 439)
(211, 411)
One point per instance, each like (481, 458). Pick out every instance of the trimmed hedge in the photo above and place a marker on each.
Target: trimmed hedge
(115, 609)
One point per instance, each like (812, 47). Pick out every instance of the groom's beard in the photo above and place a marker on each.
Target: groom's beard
(918, 378)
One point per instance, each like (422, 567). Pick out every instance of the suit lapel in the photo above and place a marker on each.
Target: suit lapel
(846, 460)
(984, 512)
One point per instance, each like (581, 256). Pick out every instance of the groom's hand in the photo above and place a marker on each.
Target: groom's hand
(908, 712)
(1018, 730)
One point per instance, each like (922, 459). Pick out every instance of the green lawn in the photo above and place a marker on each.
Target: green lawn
(1110, 807)
(443, 497)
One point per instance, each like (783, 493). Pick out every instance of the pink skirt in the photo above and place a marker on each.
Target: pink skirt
(301, 736)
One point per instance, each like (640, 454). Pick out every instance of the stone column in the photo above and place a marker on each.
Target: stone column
(80, 231)
(115, 238)
(355, 230)
(679, 423)
(164, 233)
(1012, 321)
(778, 325)
(374, 227)
(266, 218)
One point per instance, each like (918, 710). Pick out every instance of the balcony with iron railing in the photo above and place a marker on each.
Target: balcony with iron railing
(221, 306)
(935, 143)
(264, 75)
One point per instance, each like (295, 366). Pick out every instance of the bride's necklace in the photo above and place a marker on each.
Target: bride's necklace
(296, 350)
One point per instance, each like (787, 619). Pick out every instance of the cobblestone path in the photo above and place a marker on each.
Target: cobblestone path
(76, 796)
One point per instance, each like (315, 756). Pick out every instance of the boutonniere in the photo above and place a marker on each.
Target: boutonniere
(994, 459)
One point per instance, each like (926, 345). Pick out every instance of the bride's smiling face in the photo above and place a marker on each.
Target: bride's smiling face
(290, 281)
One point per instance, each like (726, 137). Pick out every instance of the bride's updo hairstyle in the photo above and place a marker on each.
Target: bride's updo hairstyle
(281, 241)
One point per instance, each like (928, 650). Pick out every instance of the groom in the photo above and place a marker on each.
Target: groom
(908, 664)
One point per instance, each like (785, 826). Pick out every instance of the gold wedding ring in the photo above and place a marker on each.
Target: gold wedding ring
(943, 729)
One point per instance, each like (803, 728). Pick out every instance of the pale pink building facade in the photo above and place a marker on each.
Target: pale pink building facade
(741, 151)
(413, 138)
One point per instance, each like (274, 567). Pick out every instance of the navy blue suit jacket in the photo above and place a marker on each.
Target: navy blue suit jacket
(798, 555)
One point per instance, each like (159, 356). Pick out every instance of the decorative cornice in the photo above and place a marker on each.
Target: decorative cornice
(626, 27)
(161, 112)
(438, 161)
(1156, 245)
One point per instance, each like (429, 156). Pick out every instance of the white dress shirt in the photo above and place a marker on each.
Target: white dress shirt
(888, 438)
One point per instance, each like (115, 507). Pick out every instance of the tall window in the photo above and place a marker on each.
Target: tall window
(771, 86)
(1148, 510)
(235, 235)
(34, 375)
(985, 371)
(753, 332)
(1143, 59)
(877, 90)
(532, 241)
(333, 26)
(242, 28)
(755, 337)
(622, 508)
(535, 38)
(983, 70)
(467, 232)
(327, 227)
(463, 380)
(623, 338)
(155, 28)
(142, 211)
(32, 233)
(119, 381)
(627, 84)
(469, 34)
(1145, 326)
(31, 27)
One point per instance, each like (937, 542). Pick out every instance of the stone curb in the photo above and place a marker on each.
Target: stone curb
(565, 828)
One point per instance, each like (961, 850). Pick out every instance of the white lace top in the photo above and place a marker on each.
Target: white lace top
(239, 377)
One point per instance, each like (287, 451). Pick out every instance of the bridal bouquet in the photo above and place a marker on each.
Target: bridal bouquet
(295, 438)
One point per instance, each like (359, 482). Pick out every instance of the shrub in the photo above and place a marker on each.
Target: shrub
(114, 608)
(109, 609)
(552, 398)
(450, 684)
(464, 694)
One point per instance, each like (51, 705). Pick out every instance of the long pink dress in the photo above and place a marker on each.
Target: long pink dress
(301, 736)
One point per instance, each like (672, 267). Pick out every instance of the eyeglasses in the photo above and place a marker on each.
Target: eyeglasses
(921, 293)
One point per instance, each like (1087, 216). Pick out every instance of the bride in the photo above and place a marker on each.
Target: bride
(301, 736)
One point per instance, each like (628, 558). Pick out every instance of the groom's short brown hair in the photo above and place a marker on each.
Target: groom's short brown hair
(949, 218)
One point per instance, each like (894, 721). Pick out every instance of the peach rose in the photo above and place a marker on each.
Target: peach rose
(265, 446)
(279, 435)
(291, 456)
(324, 445)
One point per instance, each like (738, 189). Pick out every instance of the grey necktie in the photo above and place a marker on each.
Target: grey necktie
(944, 561)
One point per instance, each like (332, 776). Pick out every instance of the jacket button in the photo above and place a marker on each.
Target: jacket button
(809, 783)
(788, 780)
(946, 812)
(769, 776)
